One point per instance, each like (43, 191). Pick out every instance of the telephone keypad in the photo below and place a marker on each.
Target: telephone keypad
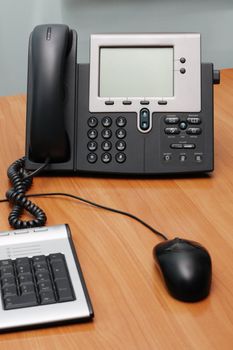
(106, 145)
(121, 133)
(120, 157)
(106, 134)
(92, 157)
(121, 122)
(92, 134)
(92, 146)
(106, 157)
(120, 145)
(103, 133)
(92, 122)
(106, 122)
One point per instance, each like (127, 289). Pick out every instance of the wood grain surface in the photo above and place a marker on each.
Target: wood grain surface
(132, 307)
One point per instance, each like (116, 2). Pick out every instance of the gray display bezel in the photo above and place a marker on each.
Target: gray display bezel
(187, 87)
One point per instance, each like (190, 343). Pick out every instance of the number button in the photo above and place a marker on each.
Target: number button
(120, 157)
(92, 134)
(120, 145)
(120, 133)
(121, 122)
(106, 146)
(92, 122)
(106, 157)
(92, 146)
(106, 122)
(106, 134)
(92, 158)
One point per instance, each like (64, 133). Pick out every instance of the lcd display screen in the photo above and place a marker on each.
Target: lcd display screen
(136, 72)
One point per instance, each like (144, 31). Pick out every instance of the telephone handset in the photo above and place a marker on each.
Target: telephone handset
(144, 104)
(51, 49)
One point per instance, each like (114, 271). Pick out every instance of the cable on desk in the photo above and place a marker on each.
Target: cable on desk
(22, 181)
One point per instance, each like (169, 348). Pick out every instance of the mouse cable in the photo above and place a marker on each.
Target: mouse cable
(22, 181)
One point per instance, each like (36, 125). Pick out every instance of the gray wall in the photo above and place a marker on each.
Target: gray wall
(212, 18)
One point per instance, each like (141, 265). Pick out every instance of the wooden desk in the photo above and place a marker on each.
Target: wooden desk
(132, 308)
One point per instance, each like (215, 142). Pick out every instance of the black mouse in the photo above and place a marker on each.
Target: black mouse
(186, 268)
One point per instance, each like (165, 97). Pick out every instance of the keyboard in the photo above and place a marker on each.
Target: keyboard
(41, 282)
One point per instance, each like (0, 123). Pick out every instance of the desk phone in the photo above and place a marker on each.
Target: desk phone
(142, 106)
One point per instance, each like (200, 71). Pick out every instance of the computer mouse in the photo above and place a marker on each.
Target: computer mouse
(186, 267)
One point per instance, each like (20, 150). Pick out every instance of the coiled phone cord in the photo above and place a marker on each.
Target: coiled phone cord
(22, 181)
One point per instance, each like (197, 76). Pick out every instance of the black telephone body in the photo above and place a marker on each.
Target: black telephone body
(150, 140)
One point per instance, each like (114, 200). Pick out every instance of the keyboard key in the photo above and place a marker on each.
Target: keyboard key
(23, 269)
(18, 301)
(45, 286)
(27, 288)
(24, 279)
(40, 267)
(56, 257)
(59, 270)
(65, 295)
(8, 281)
(47, 297)
(39, 259)
(7, 271)
(64, 290)
(4, 263)
(8, 291)
(22, 261)
(42, 276)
